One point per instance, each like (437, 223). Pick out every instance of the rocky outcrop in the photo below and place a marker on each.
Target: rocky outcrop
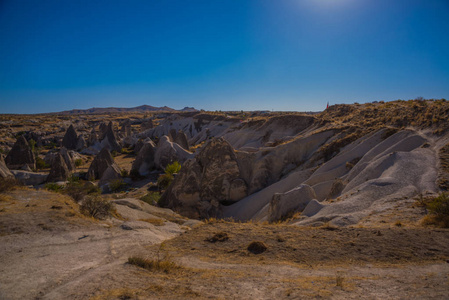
(206, 182)
(67, 159)
(99, 165)
(110, 174)
(126, 128)
(102, 130)
(93, 138)
(29, 178)
(81, 143)
(20, 155)
(144, 162)
(4, 171)
(168, 152)
(285, 204)
(181, 140)
(110, 140)
(70, 139)
(146, 124)
(59, 170)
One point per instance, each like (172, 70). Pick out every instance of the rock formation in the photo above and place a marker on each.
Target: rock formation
(168, 152)
(59, 170)
(126, 128)
(4, 171)
(181, 140)
(110, 140)
(283, 204)
(110, 174)
(93, 138)
(20, 155)
(206, 182)
(102, 130)
(144, 162)
(70, 139)
(146, 124)
(81, 143)
(67, 159)
(99, 165)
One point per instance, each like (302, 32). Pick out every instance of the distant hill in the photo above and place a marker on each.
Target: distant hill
(142, 108)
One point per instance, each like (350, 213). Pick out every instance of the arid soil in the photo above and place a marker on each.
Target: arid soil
(50, 251)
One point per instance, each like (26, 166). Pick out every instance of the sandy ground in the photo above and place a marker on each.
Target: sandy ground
(49, 251)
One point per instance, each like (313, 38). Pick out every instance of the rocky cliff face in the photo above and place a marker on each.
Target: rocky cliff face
(211, 179)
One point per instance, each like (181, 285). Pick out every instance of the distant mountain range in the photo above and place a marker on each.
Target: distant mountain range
(142, 108)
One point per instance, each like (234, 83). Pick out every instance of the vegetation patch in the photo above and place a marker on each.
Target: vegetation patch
(151, 198)
(438, 208)
(165, 264)
(257, 247)
(218, 237)
(97, 207)
(54, 187)
(8, 184)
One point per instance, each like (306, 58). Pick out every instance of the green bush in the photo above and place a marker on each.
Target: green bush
(173, 168)
(124, 173)
(164, 181)
(51, 186)
(116, 185)
(78, 162)
(439, 211)
(78, 190)
(40, 163)
(96, 207)
(439, 205)
(151, 197)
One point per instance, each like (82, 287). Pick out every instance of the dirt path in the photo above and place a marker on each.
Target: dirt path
(55, 253)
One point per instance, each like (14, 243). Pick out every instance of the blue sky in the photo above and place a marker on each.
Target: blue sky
(220, 55)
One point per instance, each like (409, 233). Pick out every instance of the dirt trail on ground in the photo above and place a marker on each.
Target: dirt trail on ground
(49, 251)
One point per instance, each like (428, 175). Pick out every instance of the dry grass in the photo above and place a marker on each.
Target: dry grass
(160, 265)
(156, 222)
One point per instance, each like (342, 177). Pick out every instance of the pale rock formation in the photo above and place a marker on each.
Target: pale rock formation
(4, 171)
(110, 174)
(29, 178)
(99, 165)
(206, 182)
(110, 140)
(283, 204)
(144, 162)
(168, 152)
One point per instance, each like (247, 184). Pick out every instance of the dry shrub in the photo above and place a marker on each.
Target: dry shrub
(438, 211)
(78, 190)
(161, 265)
(257, 247)
(8, 184)
(218, 237)
(96, 207)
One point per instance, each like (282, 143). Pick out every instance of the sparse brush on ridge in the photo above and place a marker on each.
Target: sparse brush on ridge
(173, 168)
(96, 207)
(77, 189)
(166, 179)
(151, 198)
(438, 211)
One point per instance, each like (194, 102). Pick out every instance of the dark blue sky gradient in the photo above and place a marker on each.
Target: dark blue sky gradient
(220, 55)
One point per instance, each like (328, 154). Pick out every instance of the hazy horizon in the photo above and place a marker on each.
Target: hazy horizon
(288, 55)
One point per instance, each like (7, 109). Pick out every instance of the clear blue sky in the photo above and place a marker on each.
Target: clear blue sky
(220, 55)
